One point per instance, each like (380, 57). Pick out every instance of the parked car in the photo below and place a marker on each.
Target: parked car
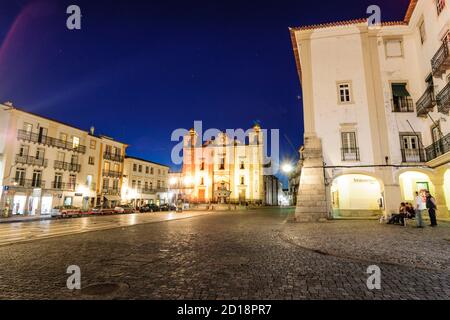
(167, 207)
(124, 209)
(103, 211)
(66, 212)
(149, 208)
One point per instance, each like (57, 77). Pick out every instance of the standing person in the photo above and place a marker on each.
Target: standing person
(420, 208)
(431, 206)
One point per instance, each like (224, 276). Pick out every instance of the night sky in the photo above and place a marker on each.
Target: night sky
(140, 69)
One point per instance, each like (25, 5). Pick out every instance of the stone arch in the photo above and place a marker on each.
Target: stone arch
(356, 193)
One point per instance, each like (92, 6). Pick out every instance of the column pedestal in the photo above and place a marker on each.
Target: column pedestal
(311, 199)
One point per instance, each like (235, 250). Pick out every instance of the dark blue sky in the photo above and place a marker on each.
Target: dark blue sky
(140, 69)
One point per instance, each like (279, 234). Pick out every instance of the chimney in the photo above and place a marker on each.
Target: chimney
(92, 130)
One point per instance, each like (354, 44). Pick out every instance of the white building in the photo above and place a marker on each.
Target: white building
(145, 182)
(45, 163)
(376, 102)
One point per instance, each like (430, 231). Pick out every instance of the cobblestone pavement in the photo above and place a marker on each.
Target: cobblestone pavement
(15, 232)
(241, 255)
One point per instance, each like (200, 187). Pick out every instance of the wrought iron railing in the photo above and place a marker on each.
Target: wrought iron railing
(58, 185)
(27, 183)
(33, 161)
(112, 173)
(67, 166)
(443, 99)
(402, 104)
(50, 141)
(110, 191)
(426, 103)
(440, 147)
(441, 59)
(350, 154)
(113, 157)
(413, 155)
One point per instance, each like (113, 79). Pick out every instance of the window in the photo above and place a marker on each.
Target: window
(93, 144)
(105, 184)
(140, 168)
(349, 150)
(40, 153)
(394, 48)
(23, 152)
(242, 165)
(139, 184)
(72, 180)
(116, 167)
(134, 167)
(61, 156)
(91, 161)
(222, 164)
(202, 181)
(440, 5)
(401, 99)
(108, 149)
(147, 170)
(202, 166)
(159, 171)
(63, 137)
(344, 92)
(146, 185)
(422, 32)
(27, 127)
(106, 166)
(411, 151)
(133, 184)
(58, 181)
(116, 185)
(76, 142)
(242, 181)
(20, 176)
(37, 179)
(89, 179)
(74, 159)
(151, 170)
(158, 184)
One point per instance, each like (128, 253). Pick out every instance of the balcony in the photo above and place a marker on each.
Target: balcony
(49, 141)
(58, 185)
(438, 148)
(33, 161)
(443, 100)
(402, 104)
(426, 103)
(27, 183)
(112, 173)
(146, 191)
(441, 60)
(66, 166)
(110, 191)
(350, 154)
(113, 157)
(413, 156)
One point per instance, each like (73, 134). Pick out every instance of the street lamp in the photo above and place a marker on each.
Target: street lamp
(287, 168)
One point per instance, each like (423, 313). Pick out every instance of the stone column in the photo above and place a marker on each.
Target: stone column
(438, 182)
(311, 199)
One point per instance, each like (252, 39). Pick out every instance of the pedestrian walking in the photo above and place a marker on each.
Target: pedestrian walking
(421, 206)
(431, 206)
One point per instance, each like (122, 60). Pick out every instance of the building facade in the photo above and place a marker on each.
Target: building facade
(224, 170)
(46, 164)
(145, 182)
(376, 103)
(273, 190)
